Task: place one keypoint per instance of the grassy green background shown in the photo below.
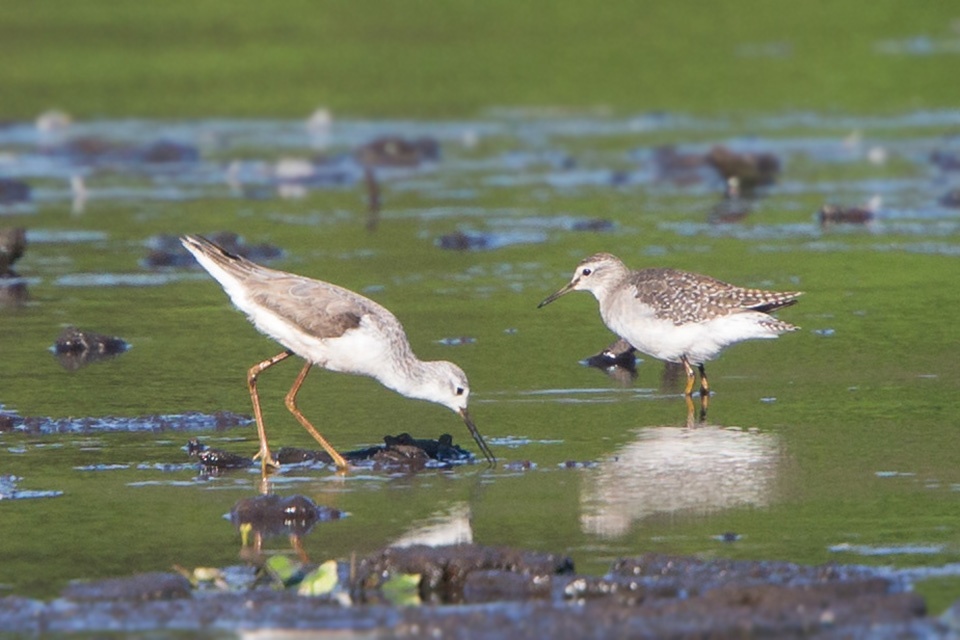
(102, 58)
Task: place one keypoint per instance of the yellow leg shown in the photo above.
(298, 547)
(292, 406)
(691, 376)
(266, 460)
(704, 393)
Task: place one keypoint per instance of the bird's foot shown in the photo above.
(268, 463)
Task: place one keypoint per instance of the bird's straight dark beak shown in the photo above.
(476, 436)
(565, 290)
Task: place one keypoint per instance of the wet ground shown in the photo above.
(476, 591)
(830, 445)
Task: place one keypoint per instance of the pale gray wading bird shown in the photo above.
(333, 328)
(678, 316)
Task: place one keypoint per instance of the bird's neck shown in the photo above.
(404, 375)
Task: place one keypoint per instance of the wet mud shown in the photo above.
(476, 591)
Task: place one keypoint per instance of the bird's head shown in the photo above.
(593, 274)
(446, 383)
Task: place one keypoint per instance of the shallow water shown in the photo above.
(836, 443)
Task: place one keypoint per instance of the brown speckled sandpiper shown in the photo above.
(675, 315)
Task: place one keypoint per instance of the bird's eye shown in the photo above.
(459, 391)
(587, 271)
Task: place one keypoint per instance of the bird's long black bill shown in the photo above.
(476, 436)
(554, 296)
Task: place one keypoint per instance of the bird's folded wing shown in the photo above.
(319, 308)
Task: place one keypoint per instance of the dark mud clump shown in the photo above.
(477, 591)
(831, 214)
(461, 241)
(76, 348)
(402, 452)
(213, 458)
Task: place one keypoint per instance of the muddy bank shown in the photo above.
(473, 591)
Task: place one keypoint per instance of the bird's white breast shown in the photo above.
(360, 350)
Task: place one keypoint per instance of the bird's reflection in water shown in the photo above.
(449, 527)
(619, 362)
(669, 470)
(270, 515)
(13, 291)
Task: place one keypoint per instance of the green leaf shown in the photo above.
(320, 581)
(284, 570)
(245, 530)
(403, 589)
